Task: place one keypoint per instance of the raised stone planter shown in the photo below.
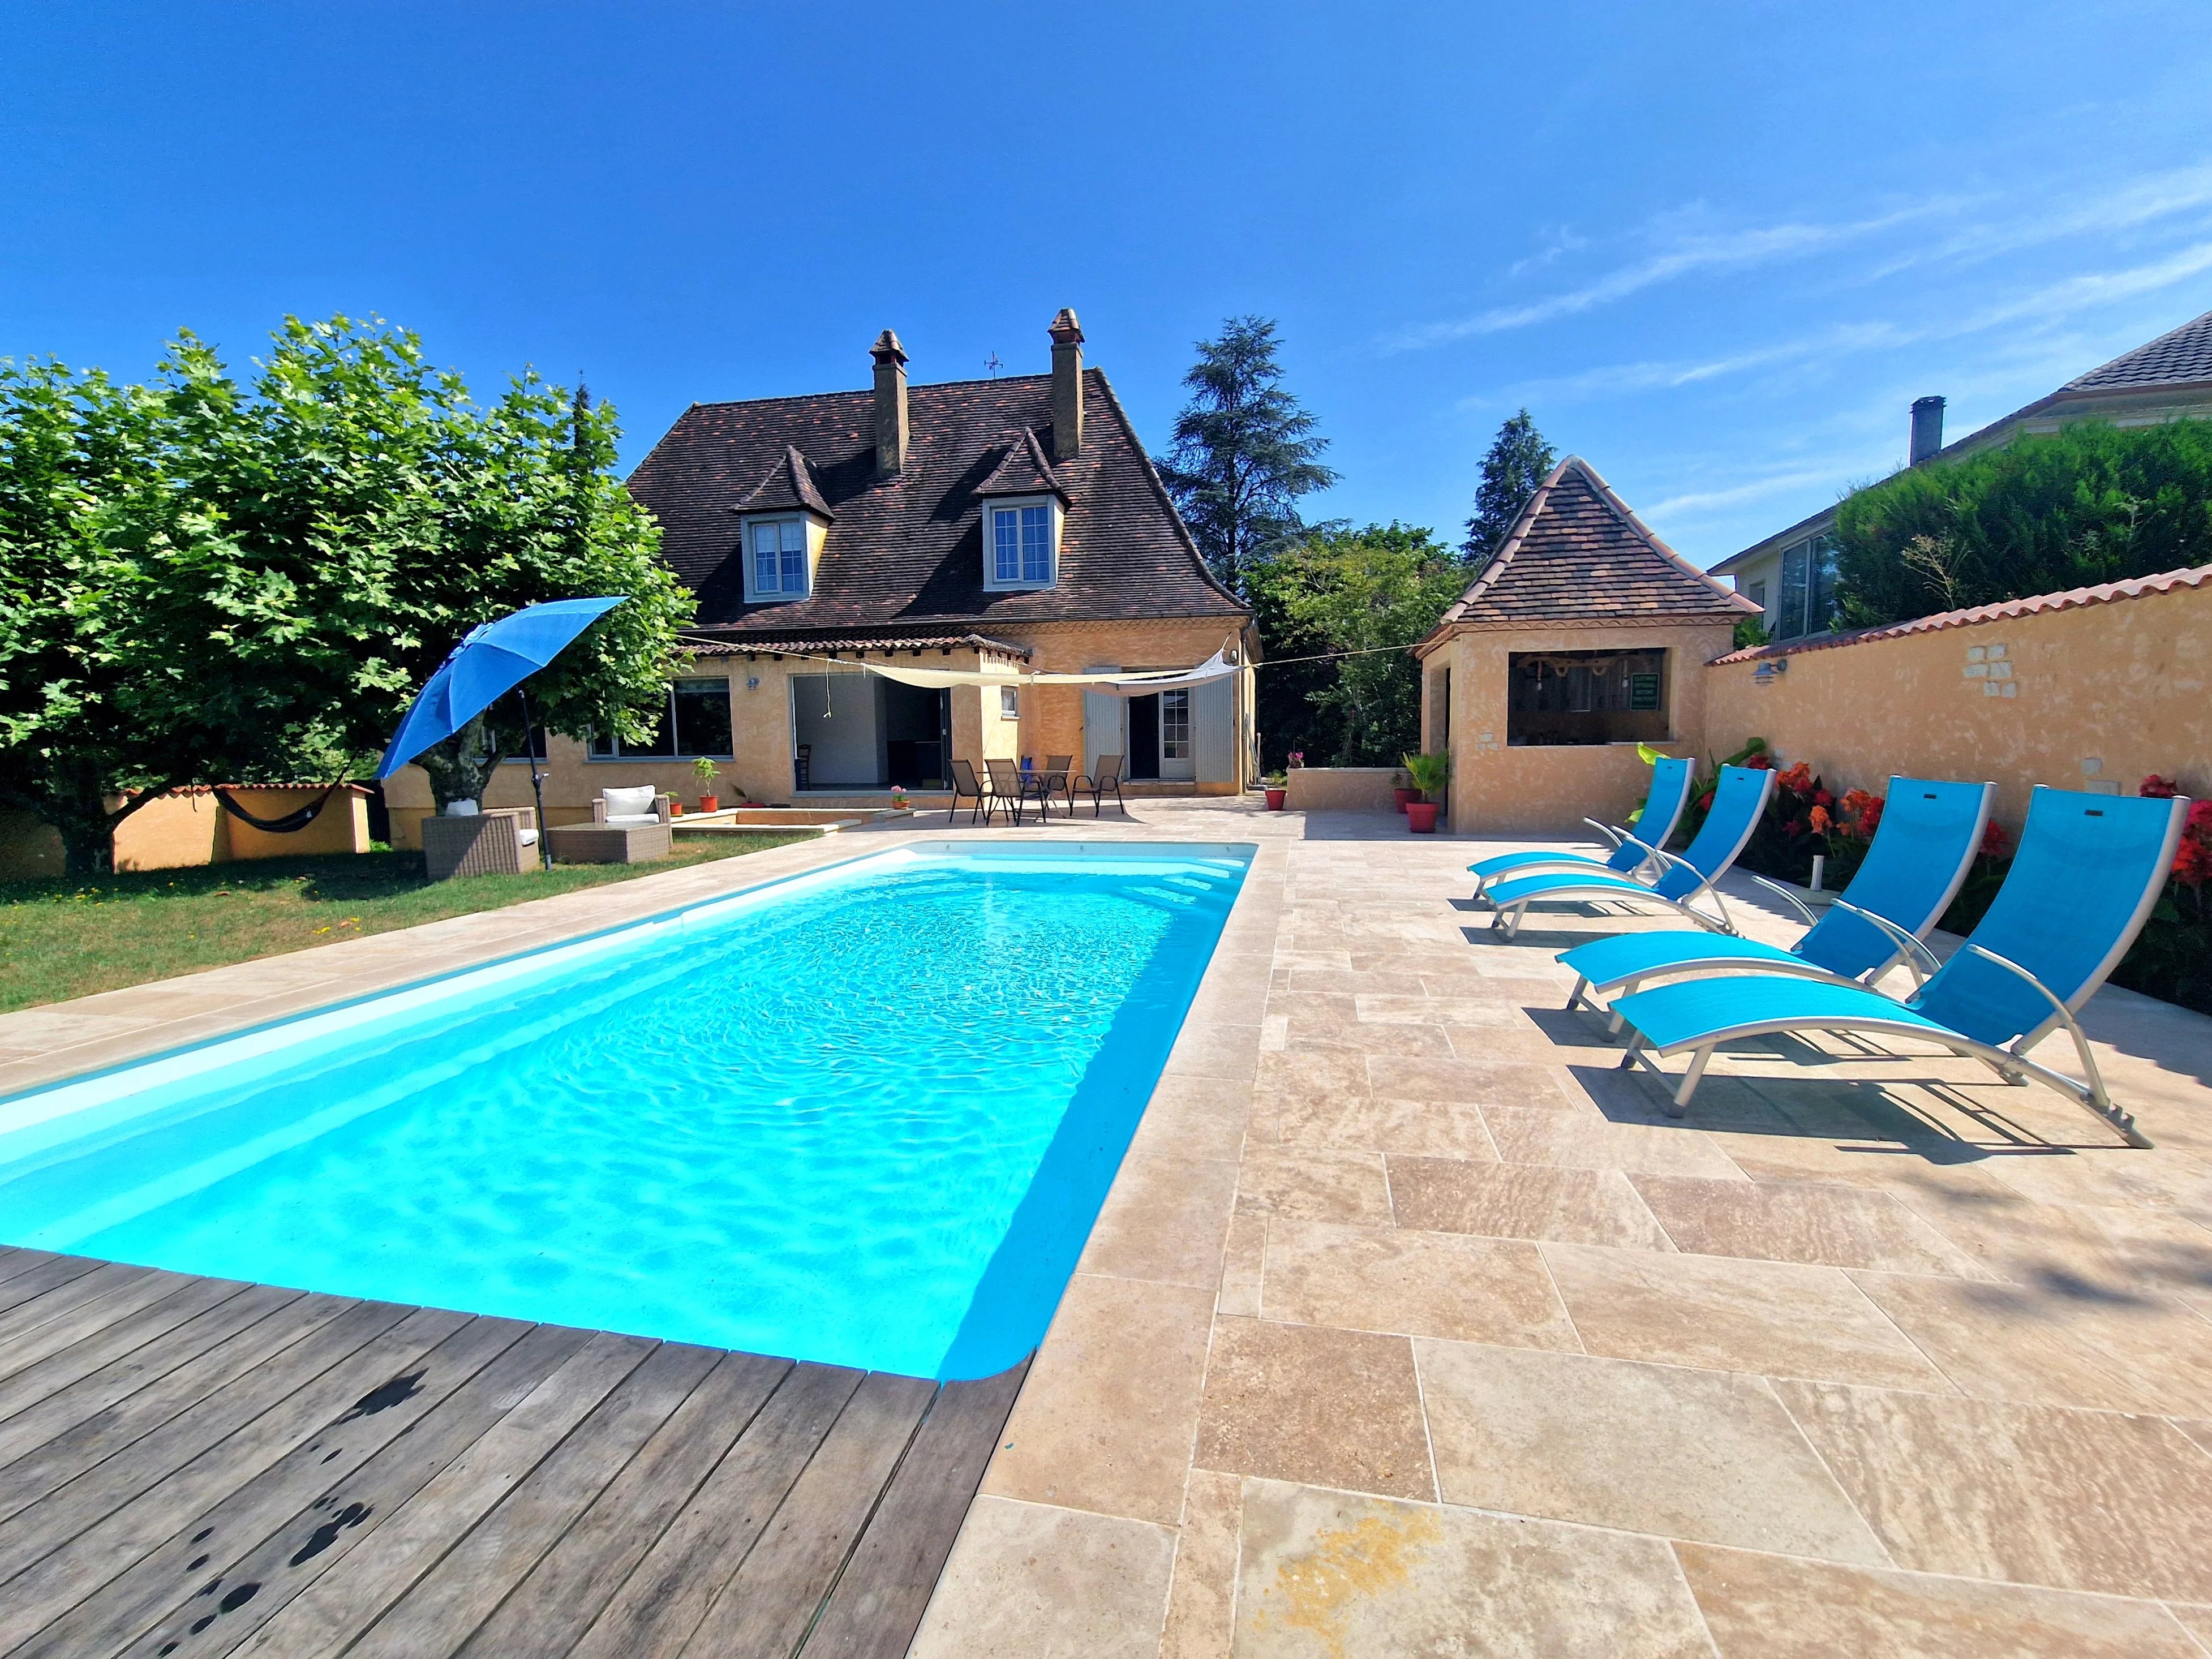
(1341, 788)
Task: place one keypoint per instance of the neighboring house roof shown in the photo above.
(748, 644)
(1024, 471)
(2176, 365)
(2135, 588)
(908, 550)
(1577, 554)
(788, 487)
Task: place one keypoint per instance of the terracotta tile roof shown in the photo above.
(739, 642)
(1024, 471)
(789, 484)
(908, 550)
(2135, 588)
(2176, 358)
(1577, 554)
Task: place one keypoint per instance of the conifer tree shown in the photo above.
(1518, 463)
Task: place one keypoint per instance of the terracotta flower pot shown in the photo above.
(674, 809)
(1421, 817)
(1275, 799)
(1405, 798)
(710, 803)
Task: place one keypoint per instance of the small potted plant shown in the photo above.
(706, 771)
(898, 798)
(1430, 773)
(1276, 787)
(1403, 790)
(1298, 758)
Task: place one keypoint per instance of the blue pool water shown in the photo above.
(865, 1117)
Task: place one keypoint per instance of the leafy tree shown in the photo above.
(2090, 503)
(1369, 591)
(220, 584)
(1244, 451)
(1517, 464)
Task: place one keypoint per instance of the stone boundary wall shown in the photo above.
(189, 826)
(2092, 695)
(1341, 789)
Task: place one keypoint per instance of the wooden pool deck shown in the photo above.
(193, 1466)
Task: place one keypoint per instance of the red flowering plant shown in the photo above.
(1804, 820)
(2172, 958)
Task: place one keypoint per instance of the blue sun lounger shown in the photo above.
(2090, 868)
(1929, 834)
(1738, 800)
(1662, 811)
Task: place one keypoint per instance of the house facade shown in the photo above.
(1791, 574)
(994, 528)
(1584, 637)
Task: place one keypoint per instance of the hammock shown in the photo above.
(291, 824)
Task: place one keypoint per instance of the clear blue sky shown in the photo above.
(1717, 249)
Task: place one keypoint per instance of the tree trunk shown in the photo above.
(461, 767)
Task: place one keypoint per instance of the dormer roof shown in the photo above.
(789, 486)
(1022, 471)
(1578, 556)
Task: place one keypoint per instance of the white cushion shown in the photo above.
(529, 837)
(460, 809)
(633, 818)
(629, 803)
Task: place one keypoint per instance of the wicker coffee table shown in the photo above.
(610, 843)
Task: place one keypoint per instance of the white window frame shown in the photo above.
(1010, 702)
(747, 550)
(1014, 506)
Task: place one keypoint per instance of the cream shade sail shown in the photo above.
(1115, 684)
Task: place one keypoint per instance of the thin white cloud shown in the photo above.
(2096, 287)
(1759, 489)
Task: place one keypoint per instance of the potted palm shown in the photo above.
(1403, 790)
(1430, 773)
(708, 800)
(1276, 787)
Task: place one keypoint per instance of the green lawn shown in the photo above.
(61, 938)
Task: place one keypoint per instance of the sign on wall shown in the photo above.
(1643, 691)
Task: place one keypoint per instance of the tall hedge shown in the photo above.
(2090, 503)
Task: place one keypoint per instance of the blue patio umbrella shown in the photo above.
(493, 659)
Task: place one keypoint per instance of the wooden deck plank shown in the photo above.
(61, 1356)
(87, 1445)
(193, 1462)
(655, 1612)
(765, 1612)
(383, 1567)
(438, 1615)
(30, 1418)
(879, 1601)
(192, 1467)
(577, 1577)
(42, 1276)
(194, 1564)
(27, 1315)
(287, 1563)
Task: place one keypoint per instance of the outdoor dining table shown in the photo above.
(1039, 785)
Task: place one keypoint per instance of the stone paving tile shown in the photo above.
(1202, 1599)
(1199, 1117)
(1722, 1313)
(1474, 1082)
(1522, 1200)
(1243, 1259)
(2178, 1181)
(2071, 1347)
(1105, 1417)
(1587, 1141)
(1770, 1606)
(2075, 1499)
(1027, 1581)
(1331, 1575)
(1800, 1221)
(1215, 1051)
(1166, 1219)
(1612, 1442)
(1393, 1279)
(1318, 1406)
(1313, 1183)
(1441, 1128)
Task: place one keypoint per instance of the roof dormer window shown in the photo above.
(775, 559)
(1023, 543)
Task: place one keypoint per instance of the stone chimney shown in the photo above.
(1926, 428)
(1067, 386)
(890, 404)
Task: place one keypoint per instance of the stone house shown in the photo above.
(1583, 637)
(996, 527)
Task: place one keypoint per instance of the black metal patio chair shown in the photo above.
(1106, 778)
(966, 786)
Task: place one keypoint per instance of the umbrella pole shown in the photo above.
(536, 781)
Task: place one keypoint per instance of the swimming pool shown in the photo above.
(863, 1117)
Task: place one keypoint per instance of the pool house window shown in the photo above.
(1566, 697)
(696, 721)
(1021, 544)
(1808, 590)
(776, 563)
(1174, 725)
